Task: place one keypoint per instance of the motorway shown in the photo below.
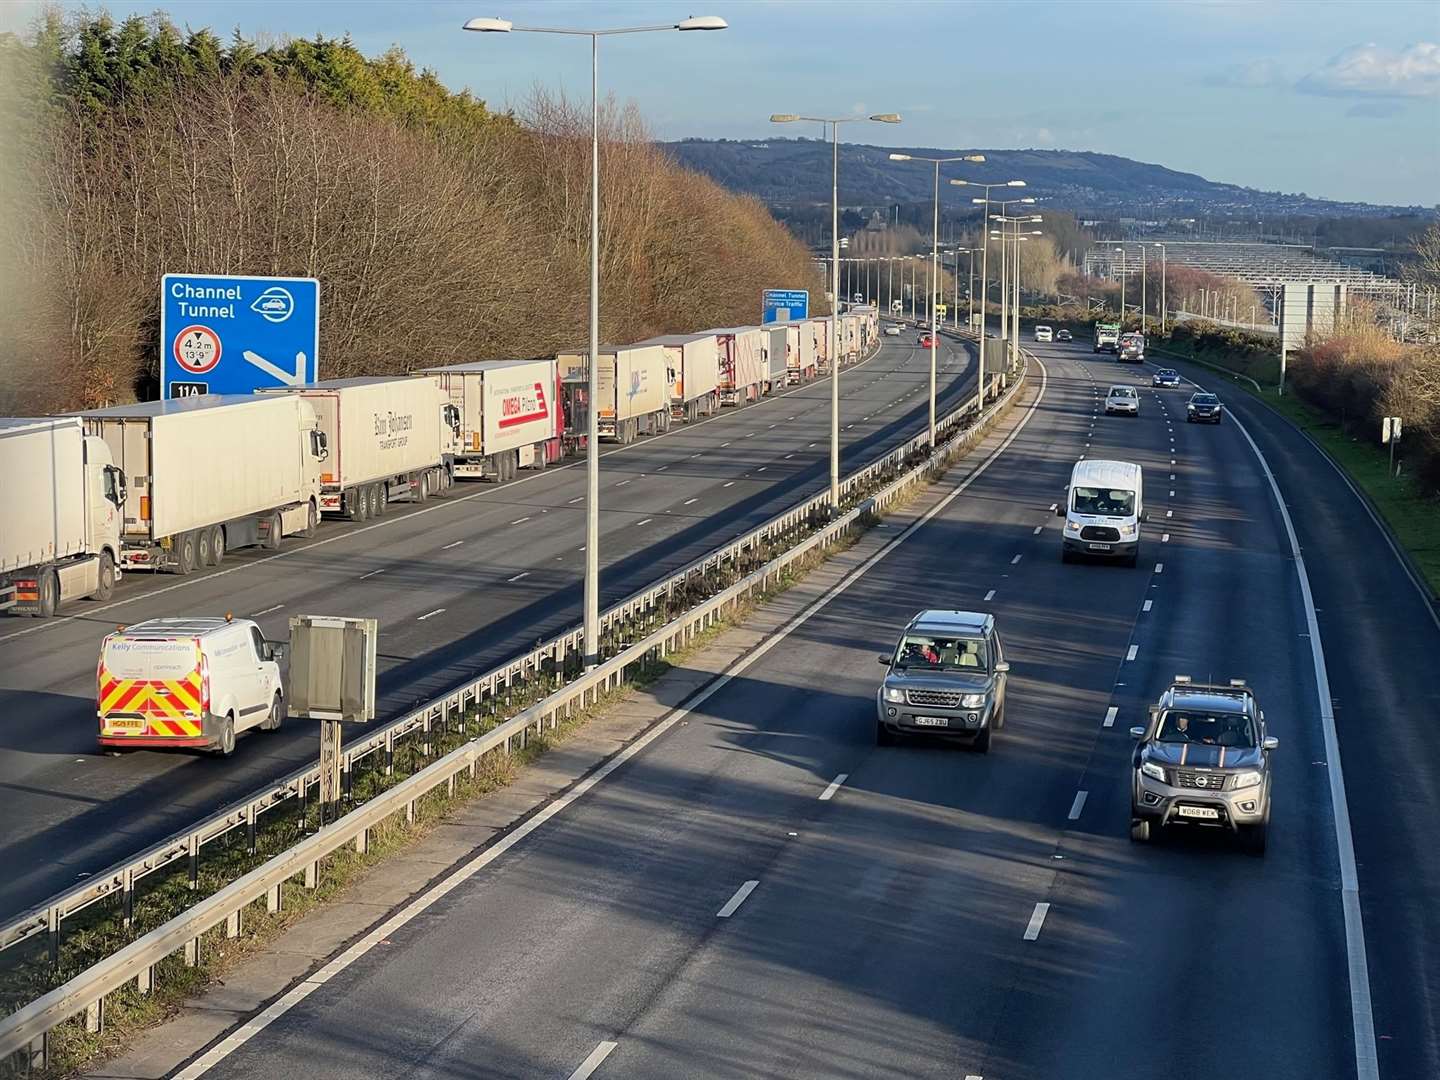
(764, 892)
(458, 585)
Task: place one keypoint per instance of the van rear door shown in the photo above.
(150, 691)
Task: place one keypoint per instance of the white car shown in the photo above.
(1043, 333)
(191, 683)
(892, 330)
(1123, 400)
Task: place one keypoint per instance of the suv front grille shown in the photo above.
(943, 699)
(1202, 781)
(1099, 532)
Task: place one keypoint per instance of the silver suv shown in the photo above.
(947, 677)
(1203, 760)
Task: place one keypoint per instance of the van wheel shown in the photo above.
(217, 545)
(312, 520)
(277, 715)
(48, 586)
(225, 743)
(185, 553)
(106, 588)
(272, 534)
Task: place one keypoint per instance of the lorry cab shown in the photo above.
(193, 683)
(1104, 508)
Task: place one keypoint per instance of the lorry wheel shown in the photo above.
(186, 553)
(48, 588)
(225, 743)
(272, 534)
(106, 588)
(205, 547)
(421, 488)
(277, 715)
(379, 500)
(359, 505)
(312, 520)
(217, 545)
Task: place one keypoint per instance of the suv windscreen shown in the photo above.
(925, 651)
(1223, 729)
(1108, 502)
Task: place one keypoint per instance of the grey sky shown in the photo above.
(1338, 99)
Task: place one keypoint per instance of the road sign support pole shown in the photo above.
(329, 771)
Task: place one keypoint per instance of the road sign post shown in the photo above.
(1390, 433)
(783, 305)
(229, 334)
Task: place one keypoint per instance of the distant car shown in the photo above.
(947, 676)
(892, 330)
(1202, 408)
(1122, 399)
(1203, 759)
(925, 341)
(1063, 335)
(1044, 333)
(1166, 377)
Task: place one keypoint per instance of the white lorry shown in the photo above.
(60, 530)
(775, 346)
(211, 473)
(389, 437)
(692, 370)
(742, 363)
(633, 394)
(510, 415)
(808, 352)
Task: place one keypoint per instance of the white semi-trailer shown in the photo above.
(633, 394)
(211, 473)
(802, 356)
(775, 352)
(510, 415)
(390, 438)
(692, 370)
(60, 529)
(742, 363)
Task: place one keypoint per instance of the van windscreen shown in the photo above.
(1109, 502)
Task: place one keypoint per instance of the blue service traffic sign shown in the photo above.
(782, 305)
(228, 334)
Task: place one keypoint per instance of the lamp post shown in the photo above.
(935, 265)
(1012, 286)
(1163, 312)
(834, 122)
(1121, 253)
(592, 453)
(984, 261)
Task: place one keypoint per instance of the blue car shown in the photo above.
(1166, 377)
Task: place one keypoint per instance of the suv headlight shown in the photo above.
(1190, 407)
(894, 693)
(972, 701)
(1251, 778)
(1155, 772)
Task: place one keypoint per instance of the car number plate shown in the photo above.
(1205, 813)
(932, 721)
(1099, 547)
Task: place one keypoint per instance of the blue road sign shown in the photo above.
(782, 305)
(226, 334)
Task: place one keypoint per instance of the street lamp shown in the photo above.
(1121, 253)
(984, 264)
(592, 438)
(1012, 287)
(834, 122)
(1163, 312)
(934, 266)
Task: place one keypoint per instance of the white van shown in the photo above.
(1103, 510)
(1043, 333)
(187, 683)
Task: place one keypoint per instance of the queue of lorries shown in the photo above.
(173, 485)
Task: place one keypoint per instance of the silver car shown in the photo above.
(946, 677)
(1122, 399)
(1203, 760)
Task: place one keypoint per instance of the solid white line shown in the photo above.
(456, 544)
(593, 1062)
(1110, 715)
(1016, 559)
(418, 906)
(735, 901)
(1362, 1016)
(517, 577)
(372, 573)
(1078, 805)
(1148, 603)
(1134, 649)
(267, 611)
(430, 615)
(1037, 920)
(645, 522)
(834, 786)
(518, 521)
(687, 502)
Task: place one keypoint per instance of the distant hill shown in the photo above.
(792, 173)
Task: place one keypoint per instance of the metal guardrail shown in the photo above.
(26, 1032)
(120, 880)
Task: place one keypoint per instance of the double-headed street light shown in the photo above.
(592, 436)
(834, 122)
(935, 265)
(984, 266)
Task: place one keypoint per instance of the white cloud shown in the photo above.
(1255, 73)
(1374, 71)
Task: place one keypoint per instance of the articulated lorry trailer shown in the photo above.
(808, 350)
(389, 437)
(60, 531)
(510, 415)
(633, 398)
(211, 473)
(775, 351)
(742, 363)
(692, 370)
